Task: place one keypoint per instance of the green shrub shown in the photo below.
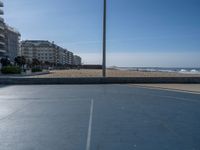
(11, 70)
(36, 70)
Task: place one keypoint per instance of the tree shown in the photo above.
(47, 63)
(36, 62)
(5, 61)
(20, 61)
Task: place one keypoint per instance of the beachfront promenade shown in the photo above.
(94, 76)
(97, 117)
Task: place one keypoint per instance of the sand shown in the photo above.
(110, 73)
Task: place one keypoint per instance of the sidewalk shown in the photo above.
(24, 75)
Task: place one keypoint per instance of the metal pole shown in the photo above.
(104, 38)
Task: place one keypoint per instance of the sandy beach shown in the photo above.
(110, 73)
(119, 73)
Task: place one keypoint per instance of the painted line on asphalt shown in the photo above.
(167, 89)
(177, 98)
(90, 126)
(165, 96)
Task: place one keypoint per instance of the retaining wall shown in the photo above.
(109, 80)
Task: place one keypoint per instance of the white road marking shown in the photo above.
(165, 96)
(167, 89)
(90, 125)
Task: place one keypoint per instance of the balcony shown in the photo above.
(1, 19)
(1, 4)
(1, 28)
(2, 43)
(1, 12)
(2, 51)
(2, 35)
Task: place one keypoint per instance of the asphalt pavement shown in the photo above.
(98, 117)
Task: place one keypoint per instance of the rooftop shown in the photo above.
(12, 29)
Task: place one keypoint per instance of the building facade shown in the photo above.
(2, 32)
(12, 37)
(70, 56)
(77, 60)
(61, 56)
(46, 51)
(9, 39)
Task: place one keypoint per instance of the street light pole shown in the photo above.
(104, 38)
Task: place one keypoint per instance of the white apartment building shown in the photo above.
(12, 38)
(70, 56)
(77, 60)
(9, 38)
(62, 56)
(2, 32)
(46, 51)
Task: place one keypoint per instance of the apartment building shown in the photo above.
(2, 32)
(12, 37)
(46, 51)
(62, 59)
(70, 56)
(77, 60)
(9, 38)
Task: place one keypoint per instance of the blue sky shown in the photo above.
(140, 32)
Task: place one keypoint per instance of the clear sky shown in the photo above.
(161, 33)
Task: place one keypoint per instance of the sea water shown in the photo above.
(160, 69)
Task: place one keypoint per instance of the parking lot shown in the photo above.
(98, 117)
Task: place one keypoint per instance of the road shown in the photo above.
(98, 117)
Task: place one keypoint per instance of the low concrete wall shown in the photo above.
(109, 80)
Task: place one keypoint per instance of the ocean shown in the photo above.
(160, 69)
